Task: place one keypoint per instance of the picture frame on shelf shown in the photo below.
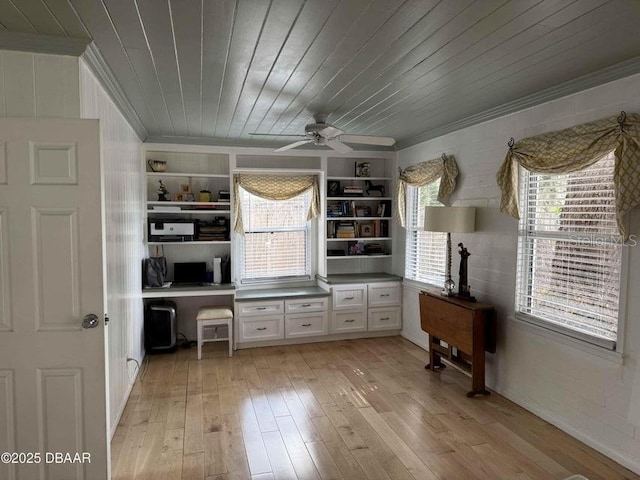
(178, 197)
(185, 188)
(363, 169)
(366, 229)
(333, 188)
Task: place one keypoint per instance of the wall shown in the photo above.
(593, 398)
(124, 215)
(38, 85)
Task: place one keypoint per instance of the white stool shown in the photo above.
(214, 316)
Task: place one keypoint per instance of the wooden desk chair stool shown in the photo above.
(209, 319)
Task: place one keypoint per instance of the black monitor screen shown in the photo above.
(190, 272)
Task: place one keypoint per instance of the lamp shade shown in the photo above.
(450, 219)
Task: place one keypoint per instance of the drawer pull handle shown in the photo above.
(261, 308)
(305, 305)
(306, 324)
(261, 328)
(384, 294)
(385, 318)
(348, 298)
(351, 320)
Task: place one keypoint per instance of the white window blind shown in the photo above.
(570, 253)
(425, 254)
(276, 244)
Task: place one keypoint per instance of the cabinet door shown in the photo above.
(261, 328)
(384, 319)
(384, 294)
(303, 305)
(343, 322)
(349, 297)
(252, 309)
(305, 325)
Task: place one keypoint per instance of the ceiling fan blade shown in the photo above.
(330, 132)
(368, 140)
(292, 145)
(277, 135)
(339, 146)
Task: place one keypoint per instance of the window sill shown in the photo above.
(525, 322)
(418, 286)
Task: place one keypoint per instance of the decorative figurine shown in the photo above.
(463, 287)
(370, 187)
(162, 192)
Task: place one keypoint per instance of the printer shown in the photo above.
(172, 231)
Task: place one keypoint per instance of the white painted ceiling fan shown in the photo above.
(321, 133)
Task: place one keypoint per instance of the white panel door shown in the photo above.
(52, 370)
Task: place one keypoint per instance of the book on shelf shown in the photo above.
(216, 230)
(384, 208)
(352, 190)
(381, 228)
(342, 208)
(346, 230)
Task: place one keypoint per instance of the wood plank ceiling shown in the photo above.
(216, 70)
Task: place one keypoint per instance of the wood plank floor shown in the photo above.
(358, 409)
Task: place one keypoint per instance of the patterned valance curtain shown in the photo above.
(275, 187)
(421, 174)
(574, 149)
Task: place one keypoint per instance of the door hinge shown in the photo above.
(106, 319)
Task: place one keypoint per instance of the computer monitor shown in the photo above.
(189, 273)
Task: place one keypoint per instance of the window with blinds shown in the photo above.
(425, 252)
(277, 240)
(570, 253)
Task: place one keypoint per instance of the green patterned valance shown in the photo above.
(421, 174)
(574, 149)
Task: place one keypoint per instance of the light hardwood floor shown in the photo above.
(360, 409)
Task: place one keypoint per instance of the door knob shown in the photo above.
(90, 321)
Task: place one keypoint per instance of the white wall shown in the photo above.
(38, 85)
(124, 204)
(587, 395)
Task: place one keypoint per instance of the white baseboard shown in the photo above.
(626, 462)
(421, 342)
(123, 404)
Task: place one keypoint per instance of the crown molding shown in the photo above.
(31, 42)
(591, 80)
(97, 64)
(242, 142)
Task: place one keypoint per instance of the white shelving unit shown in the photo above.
(191, 171)
(369, 249)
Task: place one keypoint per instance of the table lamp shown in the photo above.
(452, 220)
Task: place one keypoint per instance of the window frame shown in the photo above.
(523, 279)
(310, 229)
(413, 209)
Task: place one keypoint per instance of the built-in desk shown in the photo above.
(191, 291)
(279, 293)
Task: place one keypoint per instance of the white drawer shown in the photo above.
(384, 294)
(384, 319)
(263, 328)
(305, 325)
(252, 309)
(349, 297)
(342, 322)
(301, 305)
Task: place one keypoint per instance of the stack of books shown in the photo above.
(352, 190)
(346, 230)
(214, 231)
